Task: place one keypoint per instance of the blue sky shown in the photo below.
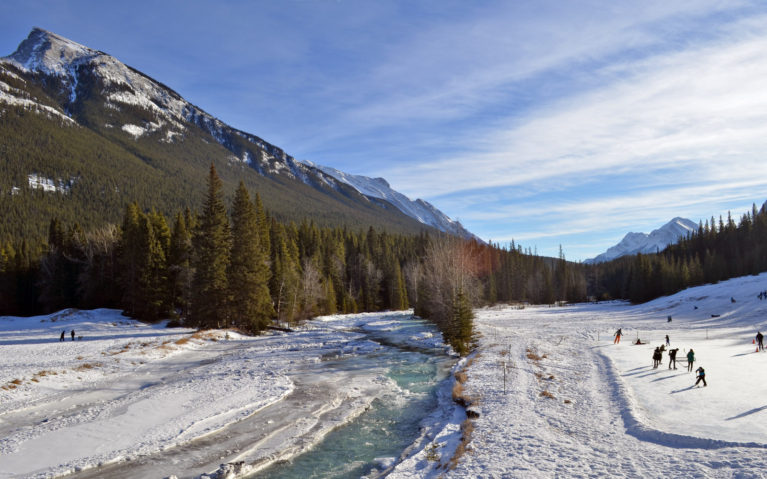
(547, 122)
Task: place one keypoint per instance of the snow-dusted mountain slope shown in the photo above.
(644, 243)
(91, 88)
(419, 209)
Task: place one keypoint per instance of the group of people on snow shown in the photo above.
(64, 332)
(657, 356)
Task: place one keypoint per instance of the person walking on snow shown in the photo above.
(62, 335)
(672, 357)
(657, 357)
(618, 335)
(668, 341)
(701, 376)
(690, 360)
(759, 341)
(73, 335)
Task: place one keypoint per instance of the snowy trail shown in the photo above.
(584, 429)
(578, 406)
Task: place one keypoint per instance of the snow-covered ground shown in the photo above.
(574, 403)
(124, 392)
(577, 405)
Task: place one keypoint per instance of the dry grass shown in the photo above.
(182, 341)
(17, 382)
(547, 394)
(87, 366)
(467, 428)
(461, 377)
(533, 356)
(567, 401)
(458, 392)
(471, 360)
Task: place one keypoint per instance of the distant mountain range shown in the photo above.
(644, 243)
(92, 134)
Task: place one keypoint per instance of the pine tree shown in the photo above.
(179, 266)
(128, 251)
(251, 305)
(286, 273)
(151, 304)
(211, 258)
(461, 324)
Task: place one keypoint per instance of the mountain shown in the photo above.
(83, 134)
(656, 241)
(419, 209)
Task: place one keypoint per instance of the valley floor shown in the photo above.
(577, 405)
(573, 404)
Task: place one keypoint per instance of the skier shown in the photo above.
(672, 357)
(701, 376)
(668, 341)
(73, 335)
(657, 357)
(690, 360)
(759, 341)
(618, 335)
(62, 335)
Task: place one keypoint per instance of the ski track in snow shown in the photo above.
(612, 414)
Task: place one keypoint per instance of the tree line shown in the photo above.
(717, 251)
(241, 267)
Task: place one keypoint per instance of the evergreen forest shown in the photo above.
(233, 264)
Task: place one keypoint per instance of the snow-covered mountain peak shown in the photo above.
(49, 53)
(380, 188)
(644, 243)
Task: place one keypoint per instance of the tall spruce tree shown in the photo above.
(211, 258)
(179, 266)
(248, 274)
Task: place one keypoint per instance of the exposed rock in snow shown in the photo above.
(49, 185)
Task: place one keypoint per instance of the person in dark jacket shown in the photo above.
(618, 335)
(760, 341)
(672, 357)
(690, 360)
(73, 335)
(62, 335)
(657, 357)
(701, 376)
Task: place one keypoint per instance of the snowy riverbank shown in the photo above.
(576, 405)
(143, 395)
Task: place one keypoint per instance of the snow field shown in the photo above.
(125, 389)
(576, 405)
